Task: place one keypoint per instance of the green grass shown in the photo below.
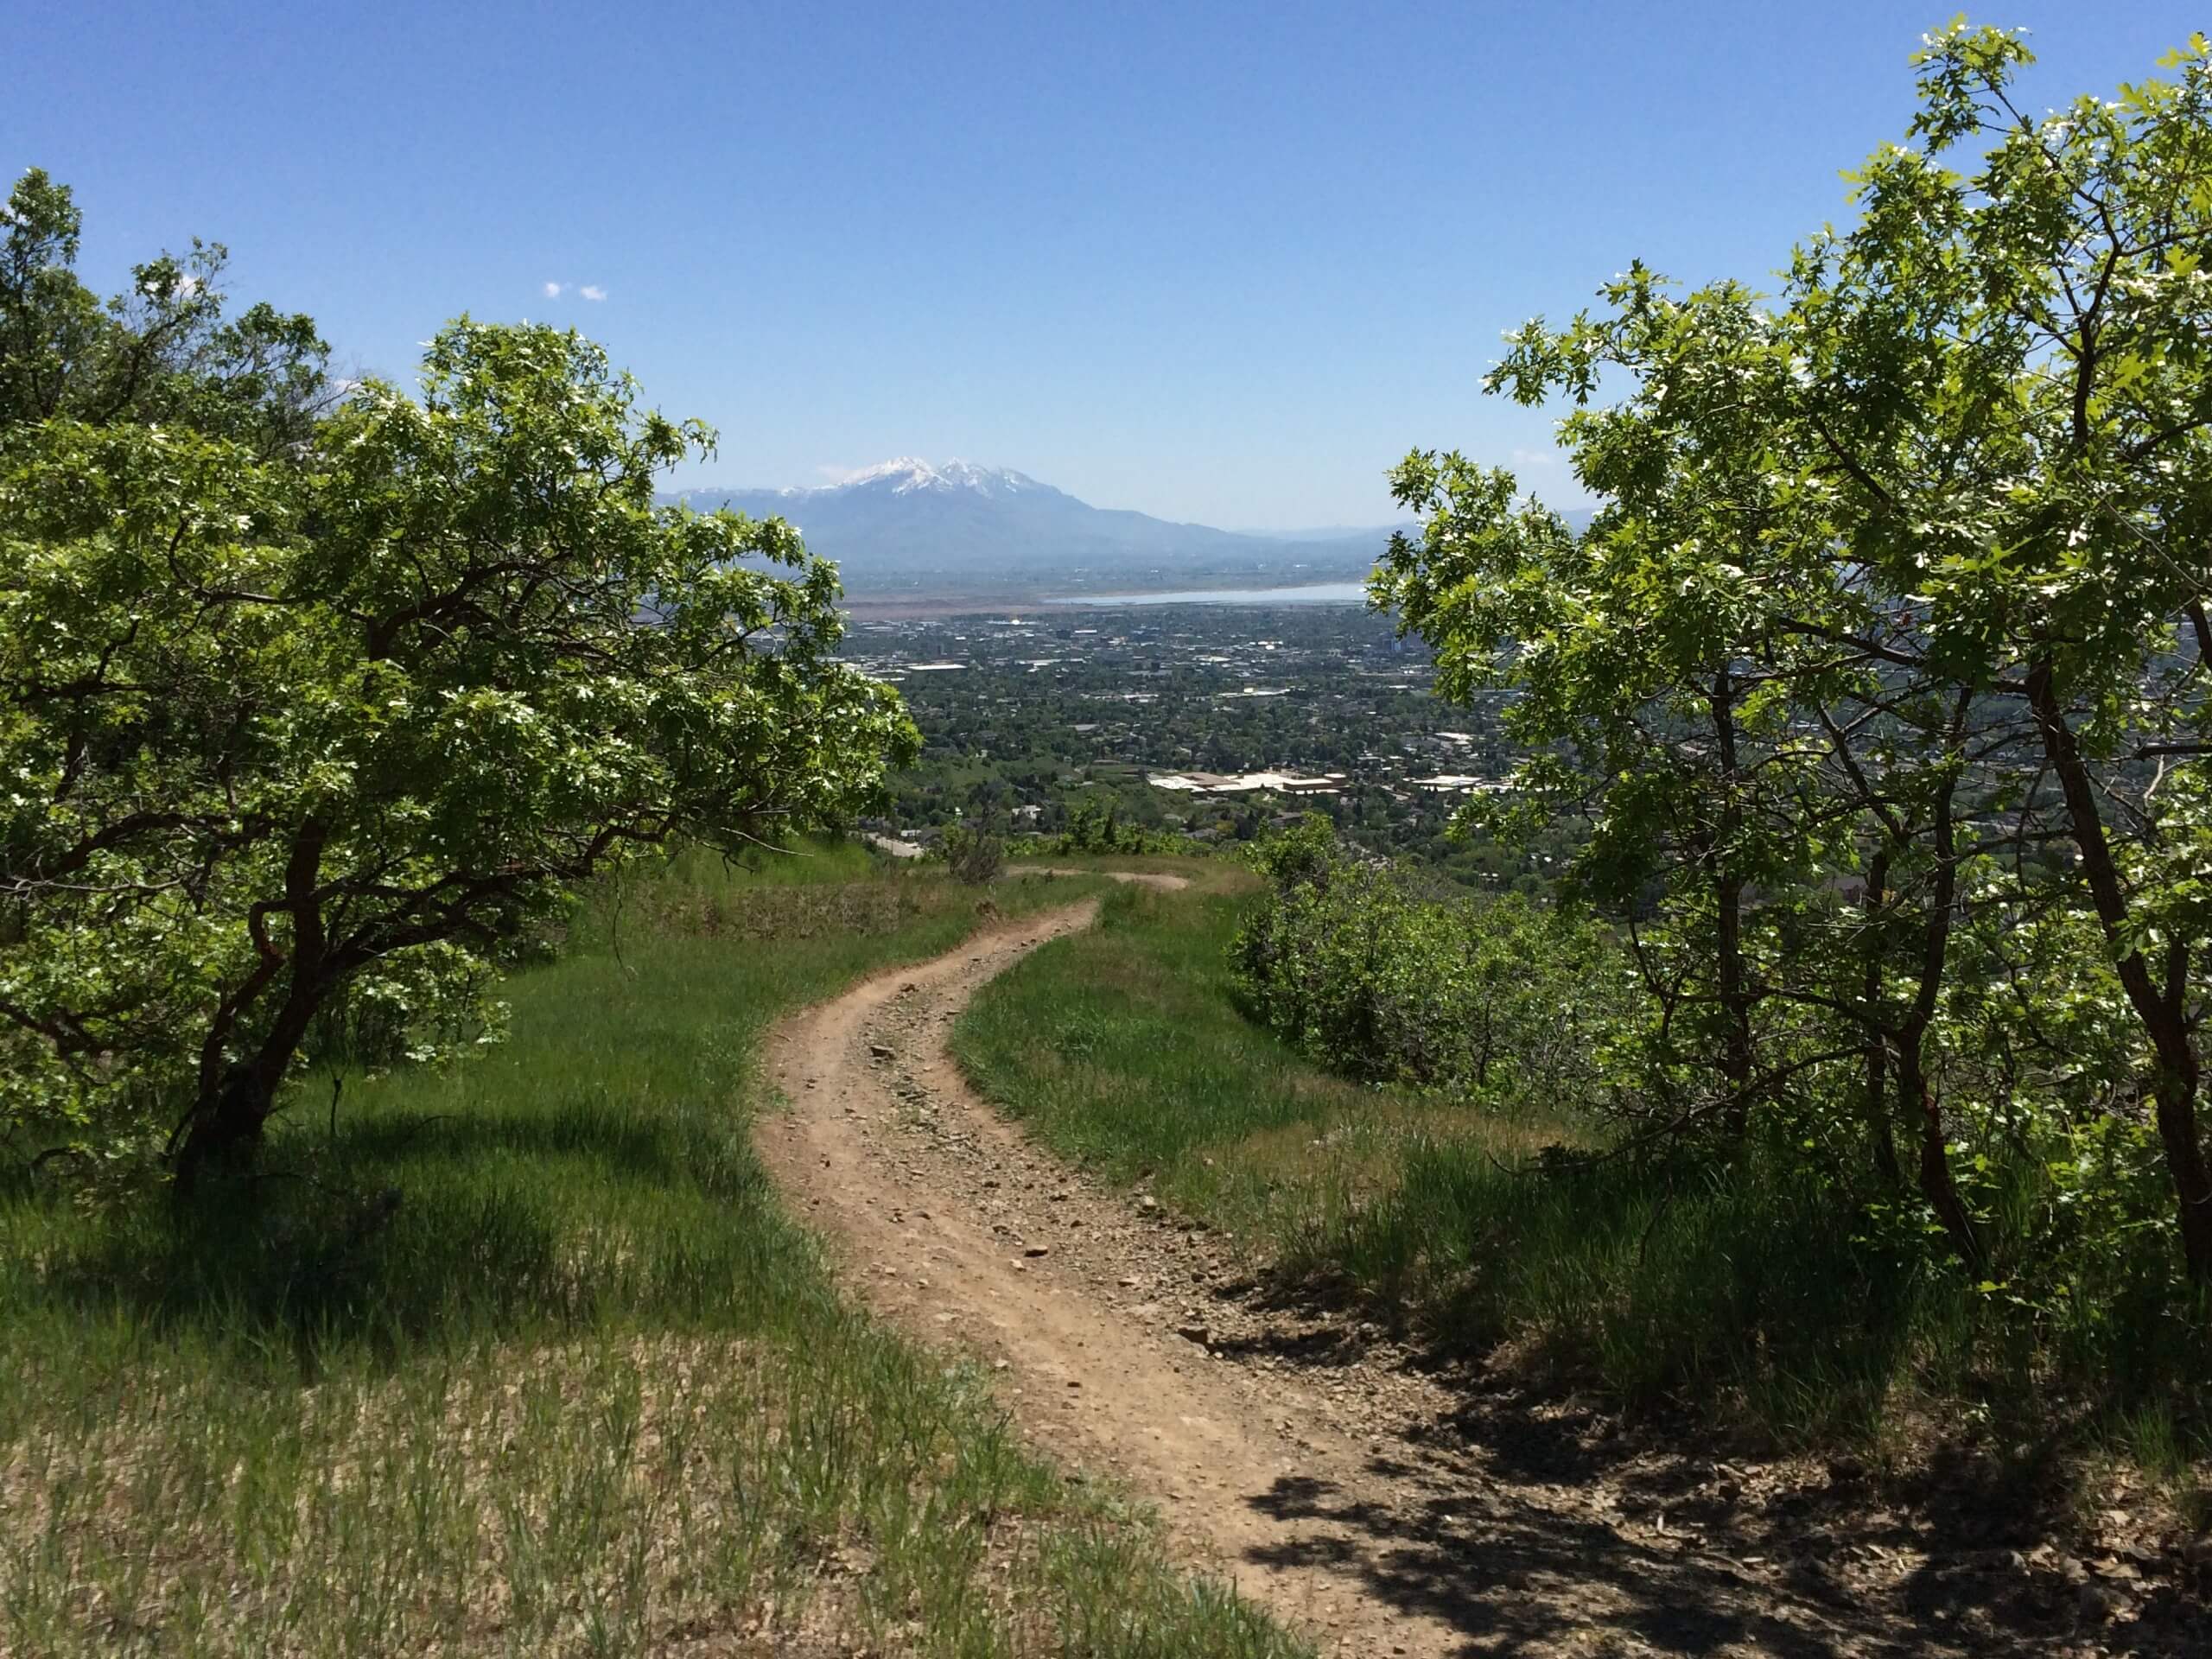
(584, 1390)
(1123, 1049)
(1206, 875)
(1732, 1294)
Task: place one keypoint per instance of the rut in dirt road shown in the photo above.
(1357, 1496)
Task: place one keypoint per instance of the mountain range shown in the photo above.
(908, 529)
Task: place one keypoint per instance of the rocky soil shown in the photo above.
(1382, 1500)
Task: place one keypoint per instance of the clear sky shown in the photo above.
(1220, 263)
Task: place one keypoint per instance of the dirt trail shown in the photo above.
(955, 1226)
(1307, 1460)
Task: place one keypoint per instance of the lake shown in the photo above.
(1318, 593)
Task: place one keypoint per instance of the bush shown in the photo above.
(1363, 971)
(972, 855)
(1095, 829)
(1675, 1261)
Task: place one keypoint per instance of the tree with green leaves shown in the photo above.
(1900, 583)
(162, 352)
(2011, 373)
(288, 726)
(1391, 976)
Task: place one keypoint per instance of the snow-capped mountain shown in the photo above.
(906, 475)
(908, 526)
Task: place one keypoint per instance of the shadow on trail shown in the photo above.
(1515, 1575)
(1531, 1521)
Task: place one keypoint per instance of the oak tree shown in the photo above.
(288, 721)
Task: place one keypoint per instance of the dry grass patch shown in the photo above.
(1295, 1185)
(640, 1497)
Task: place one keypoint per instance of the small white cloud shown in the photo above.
(552, 290)
(1535, 458)
(838, 474)
(592, 291)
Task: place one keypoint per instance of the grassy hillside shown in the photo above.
(520, 1356)
(1125, 1048)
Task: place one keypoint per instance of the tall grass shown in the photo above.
(1745, 1292)
(1677, 1285)
(1124, 1048)
(520, 1356)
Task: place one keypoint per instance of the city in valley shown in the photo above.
(1209, 722)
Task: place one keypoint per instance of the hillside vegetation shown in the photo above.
(1884, 682)
(1879, 693)
(520, 1356)
(1509, 1219)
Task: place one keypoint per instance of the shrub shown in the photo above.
(973, 855)
(1361, 970)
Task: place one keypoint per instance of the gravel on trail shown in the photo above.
(1376, 1502)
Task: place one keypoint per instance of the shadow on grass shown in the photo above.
(637, 1146)
(1644, 1492)
(410, 1228)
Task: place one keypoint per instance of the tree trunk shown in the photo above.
(1913, 1091)
(1935, 1183)
(1728, 903)
(1736, 1035)
(225, 1129)
(1881, 1139)
(2161, 1011)
(235, 1101)
(2176, 1096)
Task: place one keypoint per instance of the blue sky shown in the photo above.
(1221, 263)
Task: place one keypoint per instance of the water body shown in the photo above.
(1318, 593)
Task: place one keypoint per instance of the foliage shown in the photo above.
(1881, 675)
(974, 856)
(1093, 827)
(159, 354)
(1748, 1290)
(1363, 971)
(327, 728)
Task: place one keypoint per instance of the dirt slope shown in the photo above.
(1305, 1458)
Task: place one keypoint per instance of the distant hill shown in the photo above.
(908, 529)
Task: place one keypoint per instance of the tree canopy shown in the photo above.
(1882, 673)
(309, 700)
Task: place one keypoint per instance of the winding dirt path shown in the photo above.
(1381, 1506)
(949, 1222)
